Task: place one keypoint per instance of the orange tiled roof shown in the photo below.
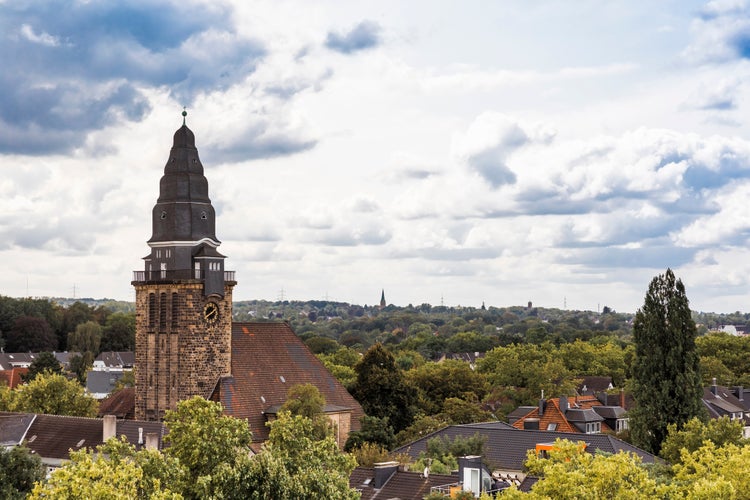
(552, 414)
(268, 359)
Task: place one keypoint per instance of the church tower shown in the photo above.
(184, 296)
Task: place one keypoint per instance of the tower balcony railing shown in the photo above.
(177, 274)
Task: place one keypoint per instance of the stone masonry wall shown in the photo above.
(178, 354)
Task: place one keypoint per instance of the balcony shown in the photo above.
(176, 275)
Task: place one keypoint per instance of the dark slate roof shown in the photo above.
(591, 384)
(183, 211)
(582, 415)
(99, 382)
(723, 402)
(13, 427)
(402, 485)
(120, 403)
(268, 359)
(53, 436)
(506, 448)
(10, 359)
(610, 411)
(116, 359)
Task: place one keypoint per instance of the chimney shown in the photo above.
(383, 472)
(152, 441)
(740, 392)
(109, 427)
(714, 388)
(542, 402)
(622, 398)
(563, 404)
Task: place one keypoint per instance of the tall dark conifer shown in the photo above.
(666, 373)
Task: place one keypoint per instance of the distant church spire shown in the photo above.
(382, 298)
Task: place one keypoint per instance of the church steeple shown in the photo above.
(183, 330)
(183, 241)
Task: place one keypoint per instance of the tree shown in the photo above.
(572, 473)
(307, 401)
(30, 334)
(437, 382)
(119, 332)
(53, 394)
(204, 441)
(382, 390)
(114, 471)
(666, 370)
(694, 434)
(373, 430)
(292, 464)
(44, 362)
(19, 470)
(713, 471)
(529, 369)
(87, 337)
(80, 365)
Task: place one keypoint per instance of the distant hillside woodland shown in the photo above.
(416, 369)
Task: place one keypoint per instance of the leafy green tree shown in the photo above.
(713, 471)
(437, 382)
(422, 426)
(44, 362)
(529, 369)
(569, 472)
(382, 389)
(80, 364)
(307, 401)
(114, 471)
(30, 334)
(724, 352)
(460, 411)
(19, 470)
(694, 434)
(119, 332)
(373, 430)
(204, 440)
(87, 337)
(667, 381)
(292, 464)
(53, 394)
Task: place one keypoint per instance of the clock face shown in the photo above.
(211, 312)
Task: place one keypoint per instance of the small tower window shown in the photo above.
(204, 216)
(163, 214)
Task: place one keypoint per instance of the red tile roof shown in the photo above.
(120, 403)
(12, 377)
(268, 359)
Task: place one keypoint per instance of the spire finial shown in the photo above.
(184, 114)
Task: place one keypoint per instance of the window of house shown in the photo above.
(552, 426)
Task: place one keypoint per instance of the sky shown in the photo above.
(462, 153)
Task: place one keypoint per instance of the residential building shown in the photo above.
(579, 414)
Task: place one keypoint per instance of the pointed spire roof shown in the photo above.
(183, 211)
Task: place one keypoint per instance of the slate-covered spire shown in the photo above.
(183, 213)
(183, 240)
